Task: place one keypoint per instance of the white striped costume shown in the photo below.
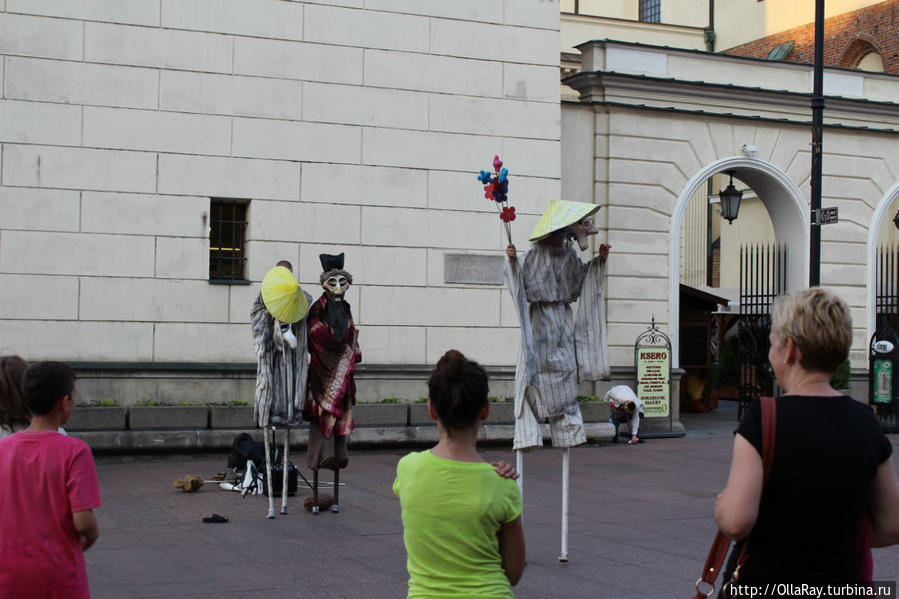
(281, 371)
(556, 350)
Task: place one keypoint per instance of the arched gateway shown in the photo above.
(786, 205)
(657, 123)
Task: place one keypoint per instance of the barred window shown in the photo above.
(227, 233)
(651, 11)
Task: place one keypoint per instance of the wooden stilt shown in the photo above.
(566, 458)
(268, 470)
(519, 466)
(315, 491)
(336, 507)
(284, 479)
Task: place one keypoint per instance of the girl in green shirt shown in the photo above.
(461, 515)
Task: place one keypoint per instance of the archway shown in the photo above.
(786, 205)
(880, 213)
(857, 52)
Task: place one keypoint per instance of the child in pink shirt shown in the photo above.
(48, 489)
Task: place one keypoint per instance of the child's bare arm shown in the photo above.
(511, 549)
(86, 527)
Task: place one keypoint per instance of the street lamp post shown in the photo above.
(814, 271)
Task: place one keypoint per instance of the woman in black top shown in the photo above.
(831, 460)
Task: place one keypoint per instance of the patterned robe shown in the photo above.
(280, 369)
(557, 350)
(332, 386)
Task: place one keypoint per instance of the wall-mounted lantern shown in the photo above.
(730, 198)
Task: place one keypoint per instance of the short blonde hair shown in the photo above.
(819, 323)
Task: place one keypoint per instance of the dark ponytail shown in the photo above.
(458, 390)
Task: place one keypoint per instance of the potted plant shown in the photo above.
(390, 411)
(593, 409)
(237, 414)
(97, 415)
(154, 415)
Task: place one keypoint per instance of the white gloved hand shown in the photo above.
(289, 337)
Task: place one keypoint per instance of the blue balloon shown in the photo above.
(484, 177)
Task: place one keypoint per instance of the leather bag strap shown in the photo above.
(721, 544)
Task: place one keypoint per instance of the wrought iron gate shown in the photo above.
(886, 300)
(881, 372)
(763, 277)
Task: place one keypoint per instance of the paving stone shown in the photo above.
(640, 523)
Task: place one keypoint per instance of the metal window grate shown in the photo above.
(651, 11)
(227, 232)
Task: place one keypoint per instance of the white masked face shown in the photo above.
(581, 229)
(336, 286)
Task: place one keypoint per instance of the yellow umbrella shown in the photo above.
(282, 295)
(559, 214)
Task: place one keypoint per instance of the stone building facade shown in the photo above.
(354, 126)
(662, 121)
(848, 38)
(339, 125)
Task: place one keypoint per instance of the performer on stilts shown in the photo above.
(557, 351)
(334, 352)
(279, 336)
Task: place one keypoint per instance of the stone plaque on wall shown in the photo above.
(473, 268)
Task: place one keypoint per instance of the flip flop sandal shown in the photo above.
(215, 519)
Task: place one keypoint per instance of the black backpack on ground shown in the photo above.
(245, 448)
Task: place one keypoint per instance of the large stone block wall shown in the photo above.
(348, 125)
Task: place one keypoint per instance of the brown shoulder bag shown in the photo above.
(721, 544)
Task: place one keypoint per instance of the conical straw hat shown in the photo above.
(559, 214)
(282, 295)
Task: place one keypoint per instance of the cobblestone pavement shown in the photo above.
(641, 523)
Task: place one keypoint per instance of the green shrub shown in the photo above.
(149, 403)
(840, 378)
(727, 370)
(585, 398)
(391, 400)
(188, 404)
(421, 400)
(238, 402)
(100, 403)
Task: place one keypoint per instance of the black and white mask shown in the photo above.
(336, 285)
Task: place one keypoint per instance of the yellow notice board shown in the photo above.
(653, 388)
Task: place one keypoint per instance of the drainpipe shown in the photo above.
(709, 36)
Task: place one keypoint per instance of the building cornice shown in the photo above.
(722, 56)
(655, 91)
